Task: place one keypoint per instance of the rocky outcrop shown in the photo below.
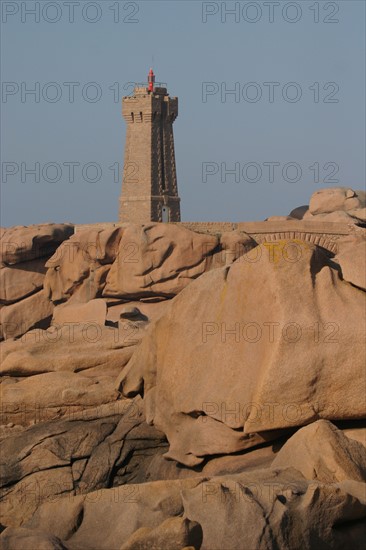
(23, 255)
(334, 204)
(333, 199)
(180, 390)
(68, 367)
(264, 508)
(87, 450)
(158, 260)
(352, 261)
(137, 262)
(81, 264)
(31, 312)
(128, 262)
(320, 451)
(21, 280)
(21, 243)
(263, 342)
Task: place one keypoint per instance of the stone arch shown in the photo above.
(325, 241)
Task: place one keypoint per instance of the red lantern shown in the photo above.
(151, 80)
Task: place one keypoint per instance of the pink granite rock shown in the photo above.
(261, 342)
(21, 280)
(23, 243)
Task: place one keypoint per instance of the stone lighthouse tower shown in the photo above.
(149, 184)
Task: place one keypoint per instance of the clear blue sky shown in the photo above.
(316, 133)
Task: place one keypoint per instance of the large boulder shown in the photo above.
(70, 366)
(137, 261)
(21, 280)
(158, 260)
(73, 346)
(335, 205)
(23, 255)
(261, 509)
(85, 451)
(280, 509)
(321, 451)
(52, 395)
(316, 500)
(23, 243)
(35, 311)
(121, 510)
(277, 507)
(268, 345)
(332, 199)
(80, 265)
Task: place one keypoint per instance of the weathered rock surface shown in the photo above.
(254, 346)
(27, 539)
(265, 508)
(174, 533)
(233, 245)
(340, 216)
(357, 433)
(144, 262)
(88, 450)
(72, 346)
(158, 260)
(334, 204)
(278, 219)
(259, 351)
(325, 201)
(24, 252)
(31, 312)
(94, 311)
(52, 395)
(352, 260)
(69, 366)
(21, 280)
(134, 261)
(21, 243)
(81, 264)
(281, 510)
(320, 451)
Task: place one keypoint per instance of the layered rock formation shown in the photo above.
(23, 256)
(283, 506)
(167, 387)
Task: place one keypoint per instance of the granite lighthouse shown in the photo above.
(149, 184)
